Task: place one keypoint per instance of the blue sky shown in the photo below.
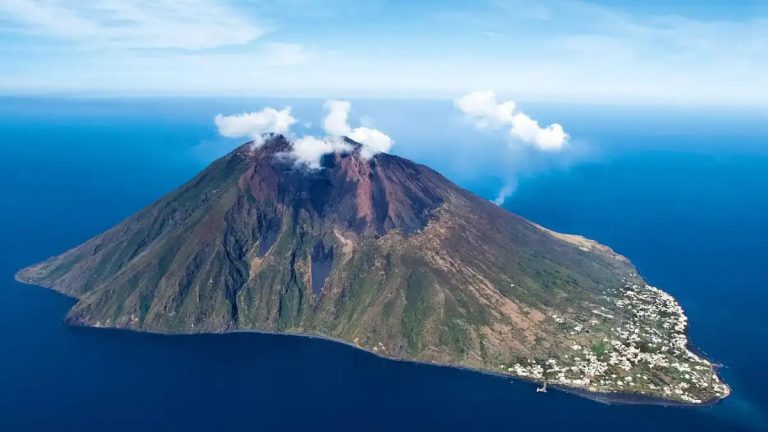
(629, 52)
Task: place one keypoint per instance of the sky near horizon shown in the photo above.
(677, 51)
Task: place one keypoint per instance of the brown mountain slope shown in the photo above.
(390, 256)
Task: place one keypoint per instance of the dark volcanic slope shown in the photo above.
(388, 255)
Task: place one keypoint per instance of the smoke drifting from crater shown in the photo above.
(482, 108)
(485, 112)
(505, 192)
(336, 123)
(307, 150)
(255, 124)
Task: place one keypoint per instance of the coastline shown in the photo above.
(609, 398)
(617, 398)
(606, 398)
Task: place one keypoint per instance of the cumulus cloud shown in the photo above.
(486, 112)
(309, 150)
(336, 124)
(254, 124)
(550, 138)
(336, 121)
(373, 140)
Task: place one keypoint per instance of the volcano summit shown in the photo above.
(392, 257)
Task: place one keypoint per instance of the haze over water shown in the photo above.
(680, 192)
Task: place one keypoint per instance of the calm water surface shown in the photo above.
(682, 193)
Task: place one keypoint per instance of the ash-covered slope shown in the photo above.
(390, 256)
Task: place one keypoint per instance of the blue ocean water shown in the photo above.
(681, 192)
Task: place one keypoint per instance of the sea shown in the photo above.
(680, 190)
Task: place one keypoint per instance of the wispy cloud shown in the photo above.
(505, 192)
(587, 51)
(565, 50)
(182, 24)
(284, 54)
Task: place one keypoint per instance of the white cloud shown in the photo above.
(184, 24)
(373, 140)
(309, 150)
(336, 124)
(482, 108)
(550, 138)
(484, 111)
(586, 52)
(254, 124)
(336, 121)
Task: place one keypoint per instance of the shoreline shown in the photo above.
(609, 398)
(602, 397)
(606, 398)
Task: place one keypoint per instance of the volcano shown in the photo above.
(390, 256)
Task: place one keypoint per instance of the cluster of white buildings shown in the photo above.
(636, 345)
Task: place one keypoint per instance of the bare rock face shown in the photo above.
(388, 255)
